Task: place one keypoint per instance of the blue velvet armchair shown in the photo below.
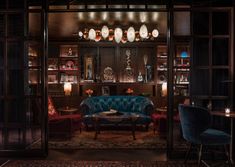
(195, 123)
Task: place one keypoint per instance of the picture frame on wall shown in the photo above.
(105, 91)
(68, 78)
(52, 79)
(68, 51)
(88, 68)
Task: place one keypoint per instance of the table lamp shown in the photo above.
(164, 89)
(67, 91)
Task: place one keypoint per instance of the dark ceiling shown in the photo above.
(66, 24)
(157, 2)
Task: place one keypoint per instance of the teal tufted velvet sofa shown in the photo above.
(140, 105)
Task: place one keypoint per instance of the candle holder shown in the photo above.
(227, 110)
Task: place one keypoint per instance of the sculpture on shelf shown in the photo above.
(128, 73)
(89, 72)
(145, 65)
(148, 73)
(108, 74)
(140, 77)
(70, 52)
(89, 69)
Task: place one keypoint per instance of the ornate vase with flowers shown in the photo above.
(129, 91)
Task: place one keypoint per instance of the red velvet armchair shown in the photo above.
(160, 118)
(62, 125)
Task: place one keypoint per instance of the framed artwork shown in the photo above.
(88, 68)
(68, 51)
(68, 78)
(52, 78)
(105, 91)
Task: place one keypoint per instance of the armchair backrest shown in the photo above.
(51, 109)
(194, 121)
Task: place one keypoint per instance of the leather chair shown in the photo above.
(195, 123)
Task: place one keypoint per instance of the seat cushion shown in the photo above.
(214, 137)
(157, 116)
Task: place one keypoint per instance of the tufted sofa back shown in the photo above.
(136, 104)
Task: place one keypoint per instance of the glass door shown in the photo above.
(22, 88)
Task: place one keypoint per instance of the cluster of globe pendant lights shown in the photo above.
(118, 35)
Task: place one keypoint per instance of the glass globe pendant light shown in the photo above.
(105, 32)
(155, 33)
(143, 31)
(131, 34)
(118, 34)
(92, 34)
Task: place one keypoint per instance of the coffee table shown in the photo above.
(127, 118)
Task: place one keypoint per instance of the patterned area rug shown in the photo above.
(110, 140)
(114, 139)
(46, 163)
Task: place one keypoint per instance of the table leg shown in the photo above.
(96, 128)
(232, 149)
(133, 130)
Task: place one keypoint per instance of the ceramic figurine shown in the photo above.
(140, 77)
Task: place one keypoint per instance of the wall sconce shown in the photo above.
(67, 88)
(164, 89)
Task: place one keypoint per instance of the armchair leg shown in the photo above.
(228, 155)
(200, 155)
(187, 154)
(146, 128)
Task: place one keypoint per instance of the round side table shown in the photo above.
(67, 110)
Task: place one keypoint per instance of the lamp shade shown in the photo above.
(131, 34)
(143, 31)
(164, 89)
(105, 32)
(67, 88)
(118, 34)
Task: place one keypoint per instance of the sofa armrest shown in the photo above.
(148, 109)
(85, 109)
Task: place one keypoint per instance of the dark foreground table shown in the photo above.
(230, 116)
